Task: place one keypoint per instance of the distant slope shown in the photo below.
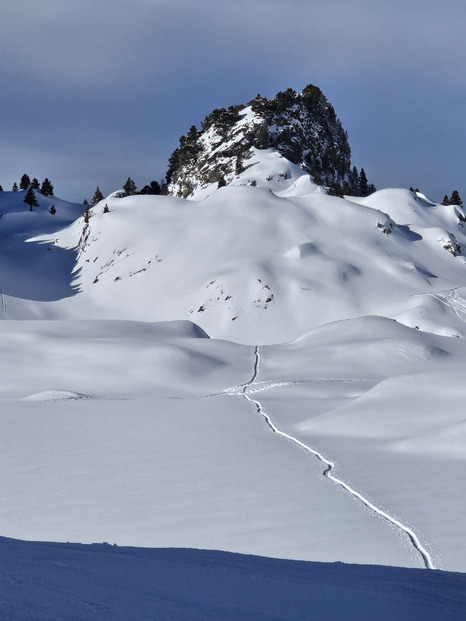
(254, 266)
(32, 272)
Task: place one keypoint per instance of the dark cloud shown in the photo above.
(95, 91)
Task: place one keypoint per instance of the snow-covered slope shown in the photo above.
(256, 266)
(326, 425)
(29, 272)
(65, 581)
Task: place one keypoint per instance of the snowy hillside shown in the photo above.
(121, 584)
(260, 267)
(267, 370)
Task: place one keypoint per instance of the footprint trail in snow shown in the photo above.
(249, 388)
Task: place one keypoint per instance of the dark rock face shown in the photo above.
(302, 127)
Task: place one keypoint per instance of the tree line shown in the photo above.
(26, 183)
(129, 189)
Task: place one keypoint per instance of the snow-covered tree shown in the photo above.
(15, 187)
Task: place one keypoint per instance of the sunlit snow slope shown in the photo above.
(336, 348)
(253, 266)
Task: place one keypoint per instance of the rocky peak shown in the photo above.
(302, 127)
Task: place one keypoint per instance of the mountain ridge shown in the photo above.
(301, 127)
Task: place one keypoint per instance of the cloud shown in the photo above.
(89, 43)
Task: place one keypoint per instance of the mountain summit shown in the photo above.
(301, 127)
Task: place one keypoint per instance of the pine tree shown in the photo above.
(25, 182)
(354, 181)
(86, 202)
(30, 199)
(363, 185)
(455, 199)
(98, 196)
(153, 188)
(34, 184)
(129, 187)
(446, 200)
(46, 188)
(1, 189)
(15, 187)
(106, 209)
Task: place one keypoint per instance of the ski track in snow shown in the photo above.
(454, 301)
(246, 391)
(3, 304)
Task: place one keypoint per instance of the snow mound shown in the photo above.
(55, 395)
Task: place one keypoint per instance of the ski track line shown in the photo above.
(330, 467)
(451, 299)
(3, 304)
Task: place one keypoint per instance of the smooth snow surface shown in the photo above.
(68, 581)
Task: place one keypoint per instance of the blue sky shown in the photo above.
(96, 91)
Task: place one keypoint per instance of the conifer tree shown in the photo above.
(129, 187)
(239, 165)
(46, 188)
(86, 202)
(25, 182)
(98, 196)
(1, 189)
(30, 199)
(446, 200)
(34, 184)
(354, 181)
(15, 187)
(363, 185)
(153, 188)
(455, 199)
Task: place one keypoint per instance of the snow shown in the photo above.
(44, 581)
(253, 267)
(268, 371)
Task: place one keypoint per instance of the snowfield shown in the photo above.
(267, 371)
